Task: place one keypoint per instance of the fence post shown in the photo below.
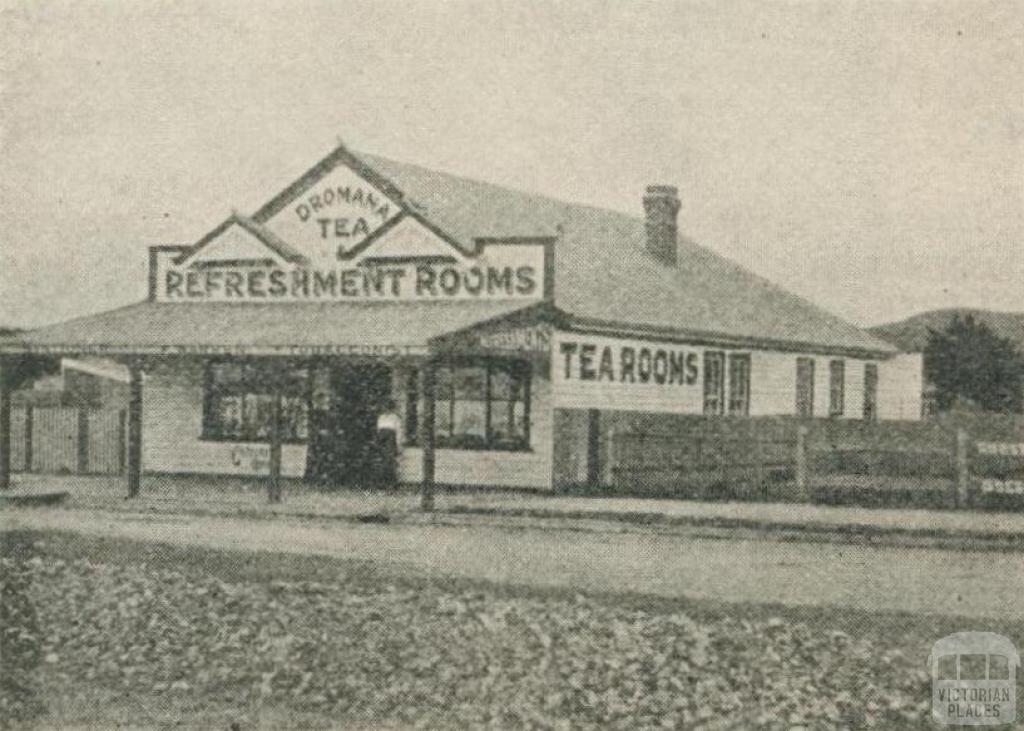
(428, 435)
(274, 466)
(30, 418)
(608, 465)
(134, 436)
(593, 448)
(759, 476)
(122, 440)
(801, 460)
(962, 496)
(83, 442)
(723, 463)
(6, 386)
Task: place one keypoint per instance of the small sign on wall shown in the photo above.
(525, 339)
(253, 458)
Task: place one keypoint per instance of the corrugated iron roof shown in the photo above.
(259, 327)
(604, 273)
(604, 279)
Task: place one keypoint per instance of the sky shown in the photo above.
(868, 156)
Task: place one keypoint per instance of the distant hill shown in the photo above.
(912, 334)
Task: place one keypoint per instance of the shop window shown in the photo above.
(739, 385)
(714, 382)
(805, 387)
(239, 400)
(836, 387)
(482, 404)
(870, 392)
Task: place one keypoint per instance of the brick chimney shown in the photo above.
(661, 206)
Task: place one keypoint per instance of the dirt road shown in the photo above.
(981, 584)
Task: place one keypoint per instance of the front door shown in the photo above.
(344, 445)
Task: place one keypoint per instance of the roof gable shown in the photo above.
(239, 240)
(342, 207)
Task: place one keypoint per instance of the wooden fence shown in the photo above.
(712, 465)
(65, 440)
(935, 464)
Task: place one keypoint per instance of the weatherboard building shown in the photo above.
(487, 318)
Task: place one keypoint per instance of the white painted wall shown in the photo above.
(172, 425)
(900, 387)
(172, 422)
(772, 383)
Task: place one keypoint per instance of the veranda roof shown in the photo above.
(379, 328)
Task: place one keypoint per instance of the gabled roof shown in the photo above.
(343, 156)
(339, 156)
(605, 277)
(264, 235)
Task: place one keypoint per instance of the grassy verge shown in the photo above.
(102, 632)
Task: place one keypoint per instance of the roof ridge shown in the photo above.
(510, 189)
(765, 282)
(340, 154)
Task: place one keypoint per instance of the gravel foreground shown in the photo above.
(96, 642)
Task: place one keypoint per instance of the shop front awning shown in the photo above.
(299, 329)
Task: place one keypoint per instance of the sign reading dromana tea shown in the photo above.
(333, 217)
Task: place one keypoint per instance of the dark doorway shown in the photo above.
(343, 441)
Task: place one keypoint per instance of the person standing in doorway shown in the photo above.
(389, 436)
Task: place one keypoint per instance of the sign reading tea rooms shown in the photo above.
(343, 239)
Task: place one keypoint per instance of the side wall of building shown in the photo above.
(901, 386)
(773, 378)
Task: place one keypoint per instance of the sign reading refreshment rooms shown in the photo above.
(344, 239)
(396, 282)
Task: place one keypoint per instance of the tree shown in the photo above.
(969, 361)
